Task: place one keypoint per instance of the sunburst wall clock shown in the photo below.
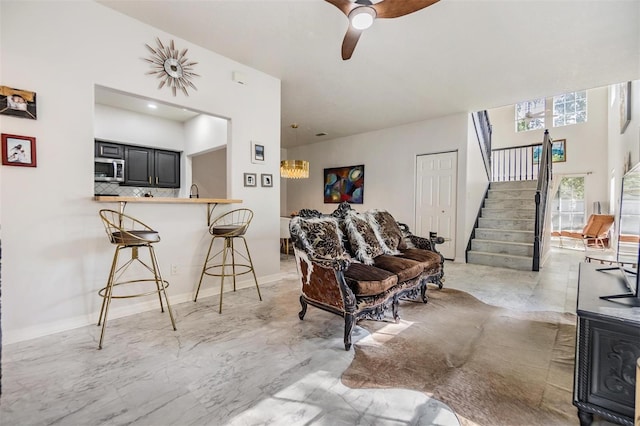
(172, 67)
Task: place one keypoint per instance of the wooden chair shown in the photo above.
(595, 232)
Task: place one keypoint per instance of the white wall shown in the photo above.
(389, 157)
(205, 133)
(477, 181)
(624, 149)
(55, 253)
(132, 128)
(586, 143)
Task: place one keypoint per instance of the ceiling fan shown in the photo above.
(362, 13)
(528, 116)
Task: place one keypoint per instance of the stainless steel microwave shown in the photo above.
(108, 170)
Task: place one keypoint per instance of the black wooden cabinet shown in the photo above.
(147, 167)
(138, 166)
(167, 169)
(108, 149)
(607, 347)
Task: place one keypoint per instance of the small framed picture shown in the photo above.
(18, 150)
(18, 103)
(625, 105)
(558, 152)
(250, 179)
(267, 179)
(257, 153)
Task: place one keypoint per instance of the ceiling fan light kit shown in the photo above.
(362, 13)
(362, 17)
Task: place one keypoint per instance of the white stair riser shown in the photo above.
(519, 263)
(517, 224)
(497, 247)
(508, 213)
(500, 235)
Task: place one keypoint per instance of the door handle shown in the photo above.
(156, 180)
(149, 180)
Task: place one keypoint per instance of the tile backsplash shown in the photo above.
(106, 188)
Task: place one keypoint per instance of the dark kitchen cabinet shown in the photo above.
(607, 347)
(108, 149)
(138, 166)
(148, 167)
(167, 169)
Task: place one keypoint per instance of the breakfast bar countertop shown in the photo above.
(169, 200)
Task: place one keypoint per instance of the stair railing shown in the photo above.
(544, 177)
(484, 131)
(515, 163)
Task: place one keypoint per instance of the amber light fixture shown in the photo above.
(294, 169)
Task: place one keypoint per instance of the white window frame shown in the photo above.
(530, 115)
(567, 109)
(572, 211)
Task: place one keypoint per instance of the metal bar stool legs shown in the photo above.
(255, 279)
(128, 233)
(112, 281)
(228, 227)
(204, 269)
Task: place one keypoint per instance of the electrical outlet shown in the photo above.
(174, 269)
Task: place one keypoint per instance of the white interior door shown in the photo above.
(436, 188)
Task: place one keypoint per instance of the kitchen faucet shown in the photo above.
(191, 194)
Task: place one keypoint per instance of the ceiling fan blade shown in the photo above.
(349, 43)
(345, 6)
(396, 8)
(530, 114)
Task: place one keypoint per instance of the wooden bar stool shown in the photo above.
(126, 232)
(229, 227)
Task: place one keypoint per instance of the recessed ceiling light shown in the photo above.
(322, 134)
(152, 106)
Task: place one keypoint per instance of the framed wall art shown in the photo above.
(266, 180)
(17, 103)
(625, 105)
(558, 151)
(18, 150)
(344, 184)
(257, 153)
(250, 179)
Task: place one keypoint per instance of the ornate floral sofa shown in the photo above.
(359, 265)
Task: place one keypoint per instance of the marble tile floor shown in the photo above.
(256, 364)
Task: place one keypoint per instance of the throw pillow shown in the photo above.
(320, 237)
(362, 237)
(388, 230)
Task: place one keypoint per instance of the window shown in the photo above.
(570, 108)
(530, 115)
(568, 212)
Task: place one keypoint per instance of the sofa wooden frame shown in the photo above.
(324, 285)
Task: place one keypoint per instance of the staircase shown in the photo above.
(505, 232)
